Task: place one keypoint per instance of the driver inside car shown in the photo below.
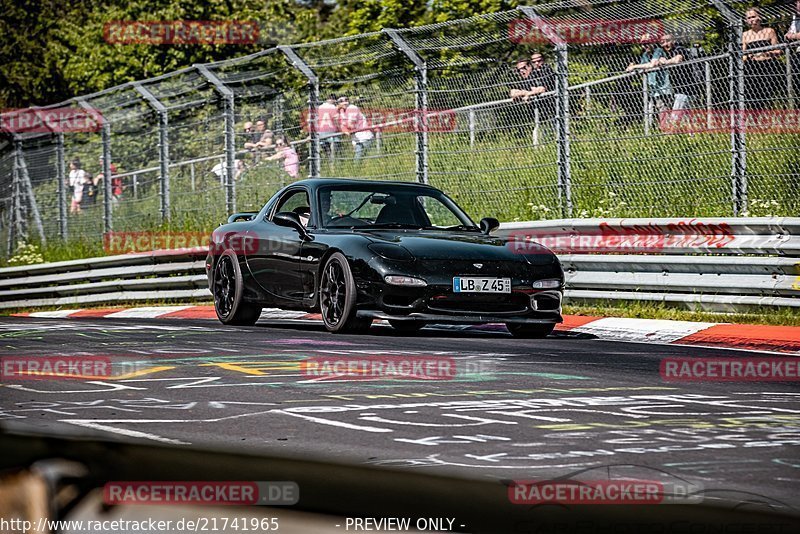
(304, 212)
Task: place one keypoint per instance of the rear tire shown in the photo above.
(407, 327)
(228, 288)
(530, 330)
(337, 297)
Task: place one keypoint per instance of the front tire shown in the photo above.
(338, 297)
(530, 330)
(228, 288)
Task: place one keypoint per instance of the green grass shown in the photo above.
(657, 310)
(616, 171)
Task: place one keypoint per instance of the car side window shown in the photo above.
(296, 201)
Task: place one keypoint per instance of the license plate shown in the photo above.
(475, 284)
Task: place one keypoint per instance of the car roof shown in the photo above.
(319, 182)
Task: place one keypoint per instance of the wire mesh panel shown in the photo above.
(366, 118)
(637, 70)
(271, 99)
(7, 221)
(135, 196)
(583, 108)
(493, 153)
(770, 122)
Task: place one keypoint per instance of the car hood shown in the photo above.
(433, 245)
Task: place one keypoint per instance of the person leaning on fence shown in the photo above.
(682, 78)
(353, 123)
(77, 181)
(116, 183)
(763, 71)
(658, 82)
(536, 77)
(328, 127)
(260, 137)
(793, 38)
(285, 151)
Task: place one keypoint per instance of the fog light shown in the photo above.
(397, 280)
(546, 284)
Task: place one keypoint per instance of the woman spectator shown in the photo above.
(77, 180)
(762, 70)
(285, 151)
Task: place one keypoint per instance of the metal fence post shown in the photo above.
(105, 132)
(163, 147)
(471, 119)
(421, 101)
(709, 94)
(297, 62)
(107, 216)
(790, 88)
(648, 114)
(230, 136)
(17, 227)
(61, 176)
(562, 108)
(25, 187)
(736, 106)
(277, 114)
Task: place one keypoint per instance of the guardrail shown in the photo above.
(716, 264)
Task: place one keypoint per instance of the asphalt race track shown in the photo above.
(516, 409)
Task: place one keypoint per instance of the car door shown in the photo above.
(275, 261)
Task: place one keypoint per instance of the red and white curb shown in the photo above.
(785, 339)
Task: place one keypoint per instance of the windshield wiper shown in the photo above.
(460, 227)
(396, 225)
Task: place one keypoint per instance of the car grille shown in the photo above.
(472, 303)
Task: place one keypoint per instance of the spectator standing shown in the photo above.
(682, 78)
(762, 70)
(260, 137)
(285, 151)
(658, 82)
(328, 127)
(353, 123)
(793, 37)
(536, 77)
(117, 186)
(77, 180)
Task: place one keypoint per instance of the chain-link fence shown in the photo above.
(570, 109)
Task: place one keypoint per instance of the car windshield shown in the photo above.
(388, 206)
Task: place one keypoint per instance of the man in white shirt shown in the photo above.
(77, 179)
(353, 123)
(328, 127)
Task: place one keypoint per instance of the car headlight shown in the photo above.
(546, 284)
(408, 281)
(390, 251)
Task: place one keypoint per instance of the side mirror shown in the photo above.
(290, 219)
(489, 224)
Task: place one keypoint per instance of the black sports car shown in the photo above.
(359, 250)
